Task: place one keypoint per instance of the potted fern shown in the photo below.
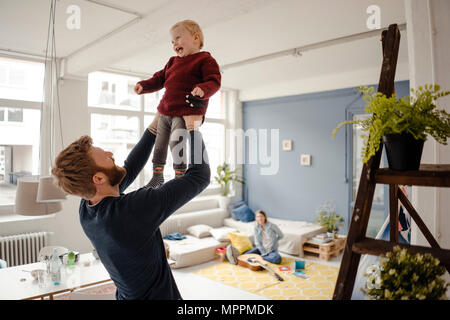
(224, 178)
(403, 125)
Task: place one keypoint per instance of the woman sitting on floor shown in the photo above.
(267, 236)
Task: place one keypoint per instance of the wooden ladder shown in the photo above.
(431, 175)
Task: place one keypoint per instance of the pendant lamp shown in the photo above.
(26, 204)
(39, 195)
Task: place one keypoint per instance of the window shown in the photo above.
(11, 114)
(21, 80)
(21, 90)
(116, 133)
(152, 100)
(379, 204)
(113, 91)
(119, 117)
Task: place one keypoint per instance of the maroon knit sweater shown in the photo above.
(179, 77)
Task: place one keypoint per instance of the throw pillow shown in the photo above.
(232, 253)
(233, 206)
(236, 204)
(244, 213)
(199, 230)
(221, 234)
(240, 241)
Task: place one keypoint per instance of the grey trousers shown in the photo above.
(168, 135)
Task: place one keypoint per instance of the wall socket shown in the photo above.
(305, 159)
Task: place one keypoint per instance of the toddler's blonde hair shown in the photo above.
(192, 27)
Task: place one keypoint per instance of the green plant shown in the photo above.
(403, 276)
(225, 176)
(417, 116)
(328, 217)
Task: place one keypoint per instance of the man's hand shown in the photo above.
(198, 92)
(193, 122)
(138, 88)
(153, 127)
(195, 102)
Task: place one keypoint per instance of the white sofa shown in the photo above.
(192, 251)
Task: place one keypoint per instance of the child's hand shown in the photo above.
(198, 92)
(138, 88)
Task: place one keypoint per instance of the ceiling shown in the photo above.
(133, 36)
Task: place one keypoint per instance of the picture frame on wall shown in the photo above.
(287, 145)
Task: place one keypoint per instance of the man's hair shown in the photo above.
(74, 168)
(192, 27)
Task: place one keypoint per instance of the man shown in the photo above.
(124, 228)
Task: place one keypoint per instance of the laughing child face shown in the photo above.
(184, 42)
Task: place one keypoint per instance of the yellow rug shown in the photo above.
(319, 285)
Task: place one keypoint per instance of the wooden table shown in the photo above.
(87, 272)
(324, 251)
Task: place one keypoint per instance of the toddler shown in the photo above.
(190, 79)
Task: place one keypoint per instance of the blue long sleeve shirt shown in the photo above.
(125, 230)
(273, 232)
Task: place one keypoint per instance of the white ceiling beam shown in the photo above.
(115, 7)
(297, 51)
(150, 30)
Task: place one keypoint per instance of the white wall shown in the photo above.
(75, 123)
(233, 122)
(351, 78)
(429, 54)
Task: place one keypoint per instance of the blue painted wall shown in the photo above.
(296, 191)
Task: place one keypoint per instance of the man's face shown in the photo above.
(105, 161)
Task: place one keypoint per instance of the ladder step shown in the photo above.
(380, 247)
(431, 175)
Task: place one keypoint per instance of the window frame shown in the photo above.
(8, 209)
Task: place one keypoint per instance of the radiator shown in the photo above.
(22, 248)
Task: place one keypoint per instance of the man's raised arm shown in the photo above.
(177, 192)
(153, 206)
(139, 155)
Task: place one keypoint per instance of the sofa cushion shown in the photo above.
(233, 206)
(221, 234)
(244, 213)
(199, 230)
(240, 241)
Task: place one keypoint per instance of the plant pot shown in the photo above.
(224, 201)
(403, 151)
(330, 234)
